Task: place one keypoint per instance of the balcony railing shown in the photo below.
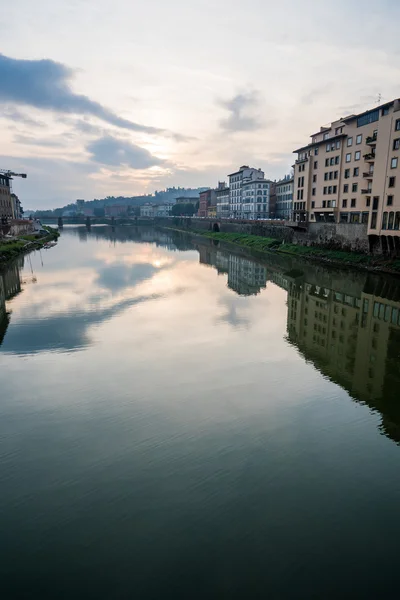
(368, 175)
(366, 191)
(371, 139)
(369, 156)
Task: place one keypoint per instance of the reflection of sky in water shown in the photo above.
(82, 286)
(153, 412)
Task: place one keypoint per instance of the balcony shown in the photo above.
(371, 139)
(368, 175)
(301, 160)
(369, 156)
(366, 191)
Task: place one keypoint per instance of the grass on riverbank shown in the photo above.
(255, 242)
(13, 248)
(338, 257)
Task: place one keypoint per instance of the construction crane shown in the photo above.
(10, 174)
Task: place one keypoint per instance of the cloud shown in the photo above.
(13, 114)
(64, 332)
(120, 276)
(44, 84)
(108, 150)
(36, 141)
(243, 109)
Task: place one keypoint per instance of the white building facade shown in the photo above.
(249, 194)
(284, 198)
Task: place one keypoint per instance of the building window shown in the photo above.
(384, 220)
(313, 191)
(338, 130)
(335, 189)
(385, 111)
(331, 175)
(347, 173)
(323, 203)
(344, 203)
(370, 117)
(326, 136)
(390, 200)
(368, 201)
(335, 175)
(354, 187)
(327, 162)
(392, 182)
(315, 164)
(375, 203)
(312, 204)
(353, 203)
(326, 176)
(332, 161)
(348, 157)
(338, 145)
(397, 125)
(328, 147)
(336, 160)
(345, 188)
(349, 141)
(396, 144)
(314, 178)
(356, 171)
(330, 189)
(393, 164)
(359, 139)
(357, 155)
(316, 152)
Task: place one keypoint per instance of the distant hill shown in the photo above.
(98, 205)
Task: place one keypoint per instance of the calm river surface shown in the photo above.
(181, 421)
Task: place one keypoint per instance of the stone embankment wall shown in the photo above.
(338, 236)
(17, 227)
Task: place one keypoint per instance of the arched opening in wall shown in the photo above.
(384, 244)
(390, 244)
(396, 241)
(216, 228)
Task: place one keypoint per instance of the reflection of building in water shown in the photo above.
(354, 340)
(11, 281)
(280, 279)
(246, 277)
(10, 286)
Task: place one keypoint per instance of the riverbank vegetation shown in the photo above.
(13, 247)
(317, 253)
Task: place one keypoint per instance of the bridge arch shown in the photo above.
(216, 228)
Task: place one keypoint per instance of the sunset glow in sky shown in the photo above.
(105, 98)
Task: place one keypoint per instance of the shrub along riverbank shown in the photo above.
(336, 257)
(10, 249)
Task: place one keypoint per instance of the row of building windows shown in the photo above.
(391, 220)
(330, 175)
(333, 160)
(4, 181)
(354, 217)
(357, 156)
(333, 146)
(358, 140)
(386, 313)
(356, 172)
(331, 189)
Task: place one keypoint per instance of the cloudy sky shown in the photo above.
(104, 98)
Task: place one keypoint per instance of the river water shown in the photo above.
(178, 420)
